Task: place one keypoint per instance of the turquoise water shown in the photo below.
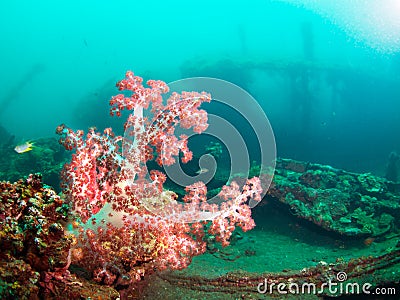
(325, 73)
(60, 61)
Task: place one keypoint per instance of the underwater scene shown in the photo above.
(200, 150)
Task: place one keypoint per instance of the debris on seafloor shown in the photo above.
(350, 204)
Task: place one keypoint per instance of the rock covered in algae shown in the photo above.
(35, 248)
(350, 204)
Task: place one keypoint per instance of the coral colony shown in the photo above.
(128, 225)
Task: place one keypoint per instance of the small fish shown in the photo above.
(25, 147)
(369, 241)
(202, 171)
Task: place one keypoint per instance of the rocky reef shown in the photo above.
(35, 247)
(351, 204)
(36, 258)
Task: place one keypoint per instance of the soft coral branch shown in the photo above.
(142, 227)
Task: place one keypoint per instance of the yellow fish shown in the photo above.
(25, 147)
